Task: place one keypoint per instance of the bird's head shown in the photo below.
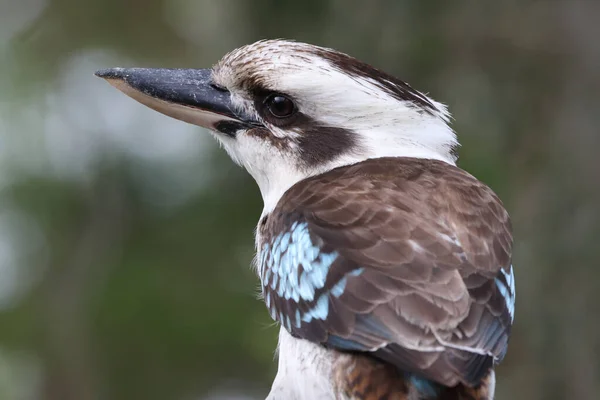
(287, 110)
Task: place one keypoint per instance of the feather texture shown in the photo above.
(408, 259)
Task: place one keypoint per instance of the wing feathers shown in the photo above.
(421, 275)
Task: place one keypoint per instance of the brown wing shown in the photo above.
(406, 258)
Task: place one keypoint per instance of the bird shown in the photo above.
(388, 267)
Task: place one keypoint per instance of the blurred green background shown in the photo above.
(126, 237)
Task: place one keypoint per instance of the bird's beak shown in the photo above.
(186, 94)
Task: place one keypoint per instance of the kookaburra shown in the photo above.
(387, 266)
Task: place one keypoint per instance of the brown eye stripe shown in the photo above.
(319, 143)
(393, 86)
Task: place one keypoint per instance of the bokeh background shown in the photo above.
(126, 236)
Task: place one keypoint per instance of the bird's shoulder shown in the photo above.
(399, 203)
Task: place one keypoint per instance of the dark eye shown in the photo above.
(280, 106)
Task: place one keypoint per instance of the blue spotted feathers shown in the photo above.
(295, 269)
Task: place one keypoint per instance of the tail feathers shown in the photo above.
(423, 389)
(359, 377)
(483, 391)
(364, 378)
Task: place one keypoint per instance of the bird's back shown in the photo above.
(401, 268)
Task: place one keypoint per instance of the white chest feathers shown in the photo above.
(305, 371)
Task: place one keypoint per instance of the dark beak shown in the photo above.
(186, 94)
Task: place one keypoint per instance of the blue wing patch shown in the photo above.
(507, 289)
(293, 268)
